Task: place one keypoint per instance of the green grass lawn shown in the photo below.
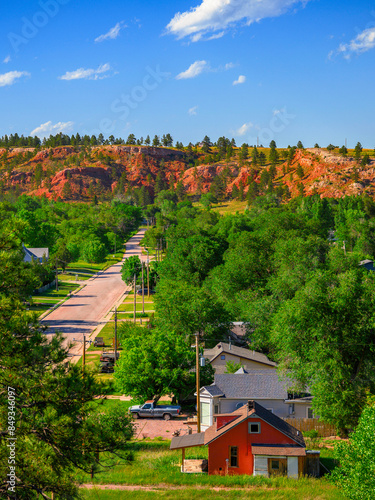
(107, 333)
(41, 302)
(129, 307)
(155, 464)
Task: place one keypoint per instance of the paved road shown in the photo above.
(86, 309)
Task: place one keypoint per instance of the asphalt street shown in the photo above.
(85, 310)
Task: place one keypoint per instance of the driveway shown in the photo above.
(85, 310)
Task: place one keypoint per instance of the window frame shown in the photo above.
(233, 456)
(254, 423)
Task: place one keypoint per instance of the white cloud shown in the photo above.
(6, 60)
(217, 15)
(48, 128)
(112, 33)
(194, 70)
(361, 43)
(243, 129)
(240, 79)
(193, 111)
(10, 77)
(199, 67)
(87, 74)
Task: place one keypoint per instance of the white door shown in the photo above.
(206, 414)
(260, 466)
(293, 467)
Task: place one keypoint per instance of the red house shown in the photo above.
(251, 440)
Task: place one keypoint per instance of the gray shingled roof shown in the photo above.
(37, 253)
(214, 390)
(242, 352)
(256, 384)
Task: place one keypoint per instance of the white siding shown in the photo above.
(260, 466)
(293, 467)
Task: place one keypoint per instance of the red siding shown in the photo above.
(218, 450)
(223, 420)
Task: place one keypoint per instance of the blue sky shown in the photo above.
(276, 69)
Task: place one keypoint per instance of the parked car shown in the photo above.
(99, 342)
(106, 368)
(139, 292)
(149, 410)
(109, 357)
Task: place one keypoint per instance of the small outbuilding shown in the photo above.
(253, 441)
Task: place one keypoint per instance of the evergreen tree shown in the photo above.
(148, 140)
(357, 151)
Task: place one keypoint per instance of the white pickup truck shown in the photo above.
(149, 410)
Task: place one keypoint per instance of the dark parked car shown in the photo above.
(106, 368)
(139, 292)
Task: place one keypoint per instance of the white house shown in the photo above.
(230, 391)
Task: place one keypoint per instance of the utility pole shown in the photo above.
(148, 276)
(197, 381)
(143, 291)
(114, 362)
(83, 355)
(135, 299)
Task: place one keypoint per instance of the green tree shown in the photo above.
(207, 200)
(93, 250)
(343, 151)
(300, 171)
(232, 367)
(356, 457)
(324, 336)
(365, 160)
(357, 151)
(154, 363)
(131, 139)
(156, 141)
(57, 433)
(244, 153)
(300, 145)
(148, 140)
(131, 266)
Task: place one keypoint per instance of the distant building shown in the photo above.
(219, 356)
(230, 391)
(368, 264)
(35, 254)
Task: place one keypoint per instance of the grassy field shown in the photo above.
(43, 301)
(154, 464)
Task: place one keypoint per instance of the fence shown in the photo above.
(46, 287)
(309, 424)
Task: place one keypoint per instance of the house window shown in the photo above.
(222, 356)
(254, 428)
(310, 413)
(275, 465)
(233, 454)
(216, 409)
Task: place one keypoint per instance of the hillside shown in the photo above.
(79, 173)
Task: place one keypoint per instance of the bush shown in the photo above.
(93, 250)
(311, 434)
